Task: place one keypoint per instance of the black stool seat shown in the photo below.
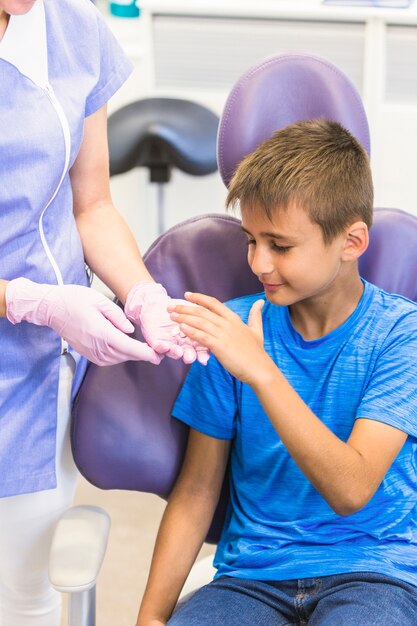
(161, 133)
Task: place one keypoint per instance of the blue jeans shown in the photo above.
(358, 599)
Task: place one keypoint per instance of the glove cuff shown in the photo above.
(139, 294)
(23, 297)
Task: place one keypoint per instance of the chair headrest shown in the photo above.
(281, 90)
(391, 258)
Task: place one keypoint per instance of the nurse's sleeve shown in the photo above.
(208, 400)
(114, 68)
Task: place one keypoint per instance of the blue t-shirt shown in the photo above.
(278, 526)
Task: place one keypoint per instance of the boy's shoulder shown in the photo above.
(394, 305)
(385, 318)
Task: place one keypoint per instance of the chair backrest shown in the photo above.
(280, 90)
(391, 258)
(123, 435)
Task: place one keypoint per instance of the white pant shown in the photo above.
(26, 526)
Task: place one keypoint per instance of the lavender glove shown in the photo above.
(91, 323)
(147, 305)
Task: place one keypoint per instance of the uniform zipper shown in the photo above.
(67, 141)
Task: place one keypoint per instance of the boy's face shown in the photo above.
(289, 255)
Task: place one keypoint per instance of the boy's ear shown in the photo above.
(356, 241)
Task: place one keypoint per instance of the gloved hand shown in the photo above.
(147, 304)
(91, 323)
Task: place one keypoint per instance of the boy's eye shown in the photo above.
(274, 246)
(280, 249)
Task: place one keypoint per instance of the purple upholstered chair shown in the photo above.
(281, 90)
(123, 436)
(122, 433)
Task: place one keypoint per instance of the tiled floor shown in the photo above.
(135, 519)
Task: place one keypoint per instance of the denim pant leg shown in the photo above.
(365, 599)
(230, 601)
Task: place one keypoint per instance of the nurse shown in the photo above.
(59, 65)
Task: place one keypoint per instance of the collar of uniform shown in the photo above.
(24, 44)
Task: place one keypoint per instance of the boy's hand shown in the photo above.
(147, 304)
(238, 347)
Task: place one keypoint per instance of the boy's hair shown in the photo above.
(319, 165)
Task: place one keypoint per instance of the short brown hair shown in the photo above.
(316, 163)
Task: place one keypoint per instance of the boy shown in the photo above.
(315, 399)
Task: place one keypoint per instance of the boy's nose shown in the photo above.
(260, 262)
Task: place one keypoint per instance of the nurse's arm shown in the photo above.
(109, 247)
(3, 285)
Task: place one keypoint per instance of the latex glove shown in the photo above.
(147, 304)
(91, 323)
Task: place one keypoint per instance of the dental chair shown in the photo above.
(123, 436)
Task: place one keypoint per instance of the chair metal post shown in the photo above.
(82, 608)
(160, 189)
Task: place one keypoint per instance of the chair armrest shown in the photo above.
(78, 548)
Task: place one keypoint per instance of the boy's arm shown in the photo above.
(184, 525)
(346, 474)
